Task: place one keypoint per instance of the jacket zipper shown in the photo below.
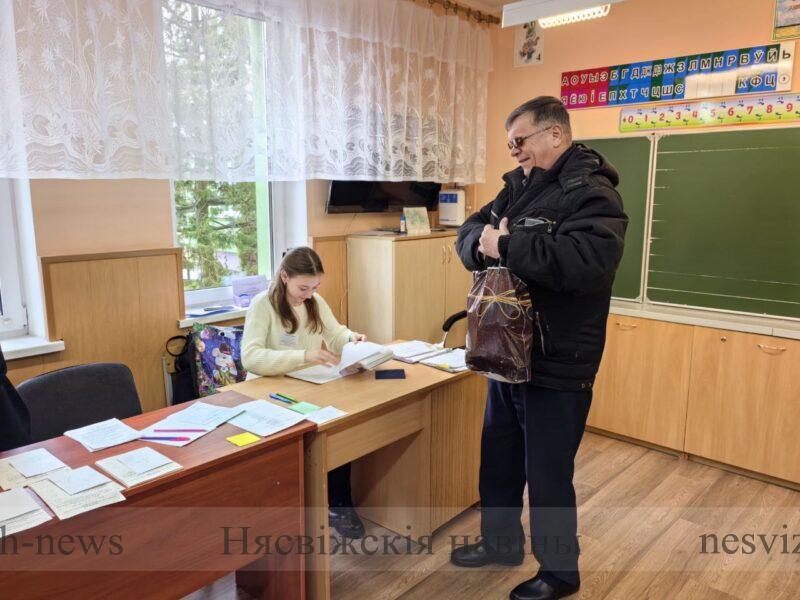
(541, 333)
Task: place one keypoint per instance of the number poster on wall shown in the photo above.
(757, 70)
(773, 108)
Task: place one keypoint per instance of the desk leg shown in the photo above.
(318, 576)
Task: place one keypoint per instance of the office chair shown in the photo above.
(448, 325)
(77, 396)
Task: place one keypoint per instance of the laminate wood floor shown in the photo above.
(642, 516)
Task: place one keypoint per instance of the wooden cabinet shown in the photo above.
(402, 287)
(456, 424)
(642, 387)
(744, 402)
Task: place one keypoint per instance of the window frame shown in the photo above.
(222, 294)
(14, 318)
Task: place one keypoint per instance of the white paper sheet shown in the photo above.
(323, 415)
(74, 481)
(10, 478)
(19, 511)
(103, 435)
(202, 414)
(35, 462)
(143, 460)
(68, 505)
(129, 478)
(264, 418)
(405, 350)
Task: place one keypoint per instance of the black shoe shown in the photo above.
(345, 520)
(538, 589)
(480, 554)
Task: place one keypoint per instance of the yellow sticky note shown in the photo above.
(243, 439)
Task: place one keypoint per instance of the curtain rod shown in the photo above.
(469, 12)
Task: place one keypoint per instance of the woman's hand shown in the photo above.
(359, 337)
(321, 357)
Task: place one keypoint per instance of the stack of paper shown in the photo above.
(416, 351)
(103, 435)
(138, 466)
(66, 505)
(202, 414)
(25, 468)
(264, 418)
(19, 511)
(189, 424)
(407, 351)
(356, 357)
(452, 361)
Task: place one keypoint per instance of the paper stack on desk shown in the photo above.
(66, 505)
(356, 357)
(453, 361)
(416, 351)
(25, 468)
(187, 425)
(19, 511)
(409, 351)
(138, 466)
(105, 434)
(264, 418)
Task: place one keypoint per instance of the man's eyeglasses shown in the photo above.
(516, 142)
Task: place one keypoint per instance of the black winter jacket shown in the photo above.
(15, 427)
(567, 234)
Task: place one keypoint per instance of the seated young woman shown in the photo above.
(284, 330)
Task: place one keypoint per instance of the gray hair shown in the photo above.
(545, 110)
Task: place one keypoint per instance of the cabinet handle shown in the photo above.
(449, 254)
(444, 254)
(771, 349)
(626, 326)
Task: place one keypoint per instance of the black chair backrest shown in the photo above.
(77, 396)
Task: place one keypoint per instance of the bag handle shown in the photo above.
(174, 338)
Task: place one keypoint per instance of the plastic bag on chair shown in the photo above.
(499, 326)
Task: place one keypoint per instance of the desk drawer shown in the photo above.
(376, 432)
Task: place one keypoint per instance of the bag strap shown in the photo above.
(186, 341)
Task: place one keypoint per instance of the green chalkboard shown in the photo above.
(726, 221)
(631, 157)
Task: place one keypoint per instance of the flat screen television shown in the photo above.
(381, 196)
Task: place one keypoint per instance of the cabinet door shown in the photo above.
(419, 277)
(744, 402)
(456, 424)
(458, 282)
(370, 288)
(642, 386)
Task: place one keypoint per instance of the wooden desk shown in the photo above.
(417, 441)
(169, 533)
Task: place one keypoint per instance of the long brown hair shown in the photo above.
(296, 261)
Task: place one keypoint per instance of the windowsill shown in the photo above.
(773, 326)
(236, 313)
(29, 345)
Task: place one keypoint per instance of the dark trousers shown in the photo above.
(339, 491)
(531, 434)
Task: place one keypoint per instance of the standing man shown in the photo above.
(15, 424)
(558, 225)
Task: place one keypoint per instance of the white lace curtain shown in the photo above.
(239, 90)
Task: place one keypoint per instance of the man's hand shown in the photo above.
(489, 237)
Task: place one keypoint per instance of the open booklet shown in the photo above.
(356, 357)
